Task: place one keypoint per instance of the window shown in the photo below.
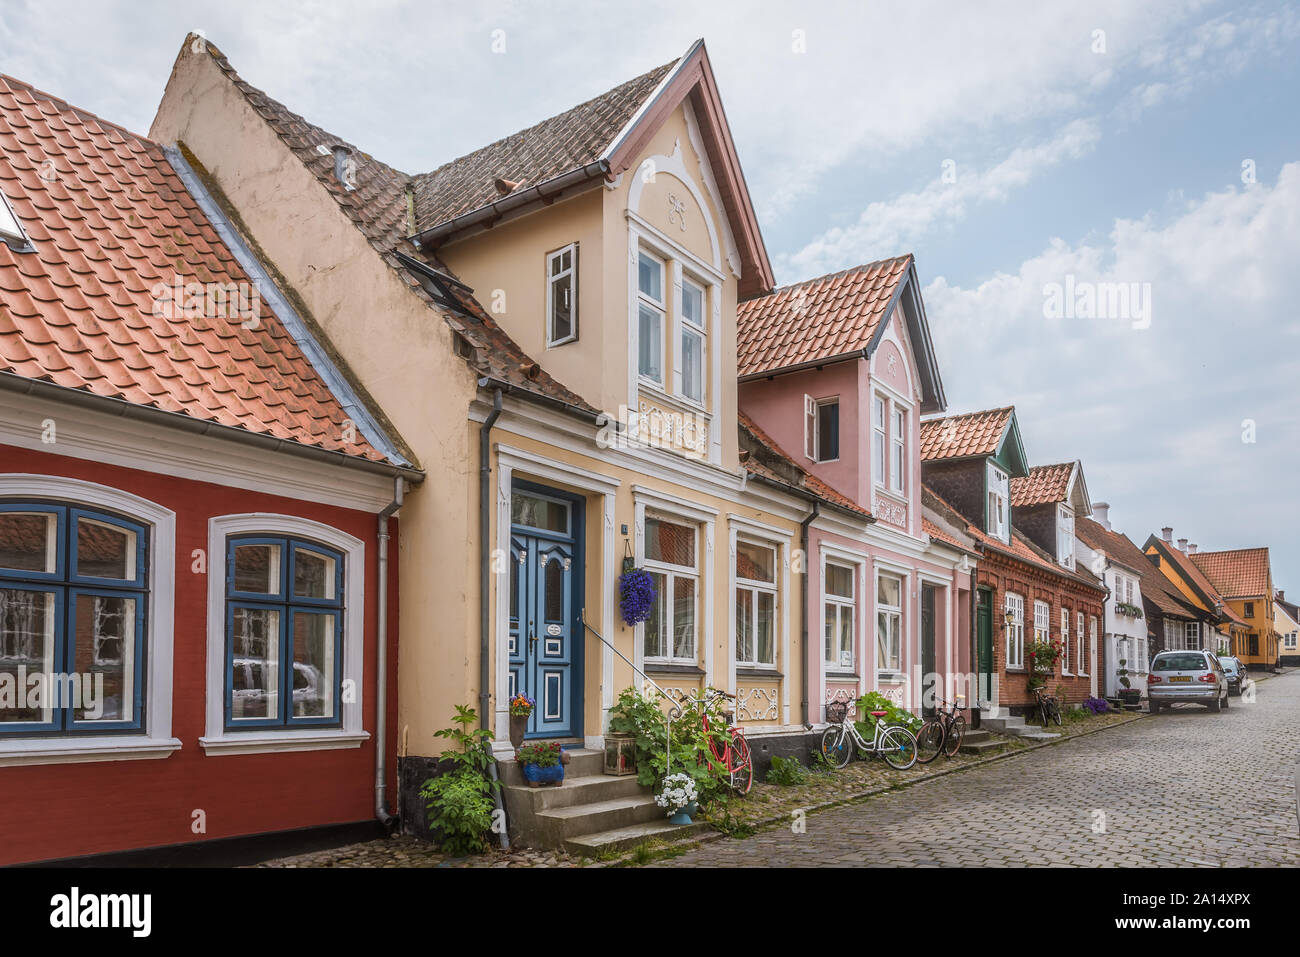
(1192, 635)
(999, 493)
(889, 623)
(10, 228)
(1250, 609)
(1083, 663)
(1042, 621)
(650, 318)
(1015, 631)
(562, 295)
(670, 558)
(284, 632)
(1065, 536)
(1065, 641)
(839, 593)
(1254, 645)
(1289, 642)
(73, 602)
(898, 460)
(878, 440)
(755, 604)
(693, 338)
(821, 428)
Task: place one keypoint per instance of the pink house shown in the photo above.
(837, 372)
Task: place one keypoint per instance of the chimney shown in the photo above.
(1167, 534)
(1101, 514)
(1182, 545)
(1281, 595)
(1191, 549)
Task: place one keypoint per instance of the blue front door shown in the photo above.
(545, 608)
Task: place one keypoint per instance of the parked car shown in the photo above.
(1235, 672)
(1193, 676)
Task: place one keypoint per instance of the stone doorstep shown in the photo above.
(623, 838)
(583, 762)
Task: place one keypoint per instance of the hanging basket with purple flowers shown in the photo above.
(636, 595)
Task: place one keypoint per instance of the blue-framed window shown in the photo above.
(74, 601)
(284, 633)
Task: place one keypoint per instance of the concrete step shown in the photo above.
(973, 737)
(984, 746)
(1004, 723)
(622, 838)
(587, 789)
(1039, 735)
(559, 824)
(583, 762)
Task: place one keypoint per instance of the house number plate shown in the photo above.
(553, 629)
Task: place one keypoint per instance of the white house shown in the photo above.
(1113, 558)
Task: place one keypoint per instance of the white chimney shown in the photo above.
(1167, 534)
(1101, 514)
(1191, 549)
(1182, 545)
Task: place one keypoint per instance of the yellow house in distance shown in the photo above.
(1244, 577)
(1224, 629)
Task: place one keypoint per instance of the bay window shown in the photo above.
(671, 559)
(839, 602)
(1065, 536)
(1015, 636)
(650, 318)
(999, 492)
(889, 623)
(755, 604)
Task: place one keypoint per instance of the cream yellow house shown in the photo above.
(551, 322)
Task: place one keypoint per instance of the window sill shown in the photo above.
(757, 671)
(890, 676)
(839, 675)
(683, 403)
(671, 668)
(1013, 670)
(85, 749)
(261, 742)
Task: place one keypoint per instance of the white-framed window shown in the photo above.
(756, 566)
(999, 494)
(878, 439)
(839, 595)
(1290, 641)
(672, 559)
(889, 622)
(1083, 664)
(1065, 641)
(1192, 636)
(562, 295)
(694, 338)
(651, 312)
(1065, 536)
(821, 424)
(1042, 621)
(1015, 610)
(898, 452)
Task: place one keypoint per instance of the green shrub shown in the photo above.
(875, 701)
(641, 715)
(458, 801)
(786, 771)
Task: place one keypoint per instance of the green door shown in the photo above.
(929, 678)
(984, 642)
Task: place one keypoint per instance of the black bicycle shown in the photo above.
(943, 733)
(1049, 707)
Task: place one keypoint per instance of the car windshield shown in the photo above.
(1177, 662)
(1228, 664)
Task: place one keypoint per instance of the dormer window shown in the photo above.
(562, 295)
(10, 229)
(1065, 536)
(999, 493)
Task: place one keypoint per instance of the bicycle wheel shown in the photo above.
(742, 765)
(1056, 713)
(837, 746)
(929, 742)
(953, 737)
(898, 746)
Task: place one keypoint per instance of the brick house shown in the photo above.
(1024, 591)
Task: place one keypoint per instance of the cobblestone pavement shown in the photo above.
(1184, 788)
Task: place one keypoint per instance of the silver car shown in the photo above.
(1194, 676)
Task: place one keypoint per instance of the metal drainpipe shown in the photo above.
(803, 627)
(484, 589)
(381, 669)
(974, 647)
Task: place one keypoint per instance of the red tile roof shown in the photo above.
(962, 436)
(769, 460)
(1120, 548)
(1043, 484)
(1193, 576)
(109, 222)
(825, 318)
(1238, 573)
(937, 533)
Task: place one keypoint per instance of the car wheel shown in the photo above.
(1227, 700)
(1216, 705)
(1153, 706)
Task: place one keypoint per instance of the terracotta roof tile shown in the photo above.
(378, 208)
(1238, 573)
(820, 319)
(772, 462)
(962, 436)
(1043, 484)
(109, 219)
(1120, 548)
(571, 140)
(1194, 576)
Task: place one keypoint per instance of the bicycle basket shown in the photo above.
(837, 711)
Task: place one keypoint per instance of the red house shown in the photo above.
(197, 562)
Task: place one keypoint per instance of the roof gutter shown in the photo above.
(178, 420)
(568, 408)
(486, 216)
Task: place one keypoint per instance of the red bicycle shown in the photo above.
(732, 751)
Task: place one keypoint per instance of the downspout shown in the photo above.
(803, 626)
(974, 647)
(484, 588)
(381, 669)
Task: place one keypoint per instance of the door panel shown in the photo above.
(928, 665)
(984, 640)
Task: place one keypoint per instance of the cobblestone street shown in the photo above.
(1184, 788)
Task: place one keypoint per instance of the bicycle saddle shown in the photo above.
(879, 714)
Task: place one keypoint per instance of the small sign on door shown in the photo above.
(553, 629)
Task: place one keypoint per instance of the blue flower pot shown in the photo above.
(537, 776)
(681, 817)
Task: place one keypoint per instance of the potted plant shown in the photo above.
(1129, 695)
(521, 706)
(636, 594)
(542, 763)
(679, 797)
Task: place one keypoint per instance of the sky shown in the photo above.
(1033, 156)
